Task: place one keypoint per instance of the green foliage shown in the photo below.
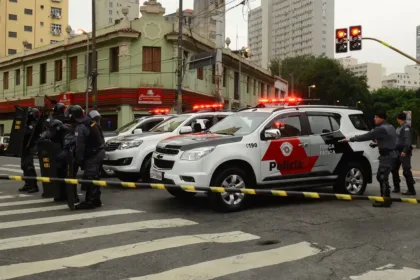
(332, 81)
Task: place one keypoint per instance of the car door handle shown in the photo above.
(303, 145)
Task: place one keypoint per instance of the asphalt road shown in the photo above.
(147, 234)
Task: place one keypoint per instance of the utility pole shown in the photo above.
(94, 59)
(293, 83)
(180, 35)
(220, 31)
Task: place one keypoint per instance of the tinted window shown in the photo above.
(359, 122)
(150, 124)
(324, 124)
(335, 122)
(242, 123)
(289, 126)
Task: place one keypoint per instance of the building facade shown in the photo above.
(418, 42)
(295, 27)
(409, 80)
(109, 12)
(255, 34)
(204, 17)
(31, 24)
(187, 17)
(374, 72)
(137, 63)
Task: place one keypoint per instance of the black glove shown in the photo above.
(373, 145)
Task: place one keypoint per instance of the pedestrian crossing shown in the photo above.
(15, 169)
(150, 234)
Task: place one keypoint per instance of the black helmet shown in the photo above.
(74, 112)
(59, 109)
(34, 113)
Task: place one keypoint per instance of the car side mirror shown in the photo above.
(138, 131)
(271, 134)
(186, 130)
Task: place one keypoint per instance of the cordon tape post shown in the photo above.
(265, 192)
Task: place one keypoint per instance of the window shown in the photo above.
(55, 12)
(12, 17)
(27, 28)
(224, 76)
(200, 73)
(240, 124)
(6, 80)
(43, 73)
(56, 29)
(28, 11)
(110, 12)
(29, 46)
(53, 41)
(248, 84)
(14, 1)
(73, 68)
(110, 20)
(289, 126)
(17, 77)
(359, 122)
(12, 34)
(321, 124)
(236, 85)
(114, 59)
(29, 76)
(151, 59)
(58, 70)
(41, 23)
(213, 74)
(11, 51)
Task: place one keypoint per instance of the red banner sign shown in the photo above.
(65, 98)
(150, 96)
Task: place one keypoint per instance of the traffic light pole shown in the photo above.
(392, 48)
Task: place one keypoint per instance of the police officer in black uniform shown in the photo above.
(89, 154)
(28, 151)
(385, 138)
(404, 151)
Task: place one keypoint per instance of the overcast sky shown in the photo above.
(389, 20)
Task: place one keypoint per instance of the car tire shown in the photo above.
(232, 176)
(145, 169)
(127, 177)
(181, 194)
(352, 180)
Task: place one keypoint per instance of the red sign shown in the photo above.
(150, 96)
(65, 98)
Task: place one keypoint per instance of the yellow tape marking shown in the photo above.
(248, 191)
(217, 189)
(46, 165)
(100, 183)
(45, 159)
(18, 122)
(188, 188)
(311, 195)
(15, 178)
(43, 179)
(71, 181)
(376, 198)
(158, 186)
(410, 200)
(128, 185)
(343, 196)
(279, 193)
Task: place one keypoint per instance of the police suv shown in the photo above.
(279, 144)
(130, 156)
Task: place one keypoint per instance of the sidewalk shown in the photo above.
(415, 163)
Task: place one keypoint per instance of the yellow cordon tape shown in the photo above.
(311, 195)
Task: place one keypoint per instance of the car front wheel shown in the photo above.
(352, 180)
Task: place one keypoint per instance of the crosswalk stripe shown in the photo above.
(60, 236)
(15, 196)
(66, 218)
(33, 210)
(25, 202)
(11, 170)
(99, 256)
(18, 166)
(386, 272)
(225, 266)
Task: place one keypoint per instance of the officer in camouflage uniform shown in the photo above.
(404, 151)
(385, 138)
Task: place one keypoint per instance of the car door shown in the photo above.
(287, 157)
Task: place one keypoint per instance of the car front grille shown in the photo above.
(112, 146)
(163, 164)
(166, 151)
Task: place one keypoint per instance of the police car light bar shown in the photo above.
(159, 111)
(285, 101)
(208, 107)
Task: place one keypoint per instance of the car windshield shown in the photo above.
(127, 127)
(170, 124)
(242, 123)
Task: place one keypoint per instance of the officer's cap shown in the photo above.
(402, 116)
(93, 114)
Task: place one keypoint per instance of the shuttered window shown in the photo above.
(152, 59)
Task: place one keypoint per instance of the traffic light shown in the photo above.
(341, 40)
(355, 38)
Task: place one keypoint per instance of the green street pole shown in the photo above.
(392, 48)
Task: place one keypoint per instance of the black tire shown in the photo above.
(127, 177)
(342, 184)
(181, 194)
(145, 169)
(216, 199)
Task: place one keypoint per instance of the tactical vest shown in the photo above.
(95, 141)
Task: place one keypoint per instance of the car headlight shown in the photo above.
(129, 145)
(197, 154)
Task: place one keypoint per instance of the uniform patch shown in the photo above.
(407, 129)
(76, 134)
(286, 149)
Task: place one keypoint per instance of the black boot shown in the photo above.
(89, 202)
(34, 189)
(387, 195)
(25, 188)
(396, 189)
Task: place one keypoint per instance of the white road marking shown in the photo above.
(226, 266)
(386, 272)
(66, 218)
(15, 196)
(100, 256)
(60, 236)
(33, 210)
(18, 166)
(25, 202)
(11, 170)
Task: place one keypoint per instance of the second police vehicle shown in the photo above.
(130, 156)
(278, 144)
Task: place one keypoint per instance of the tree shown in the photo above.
(332, 81)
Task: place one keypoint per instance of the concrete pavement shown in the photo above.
(147, 234)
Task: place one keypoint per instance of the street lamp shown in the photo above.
(81, 31)
(309, 89)
(357, 104)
